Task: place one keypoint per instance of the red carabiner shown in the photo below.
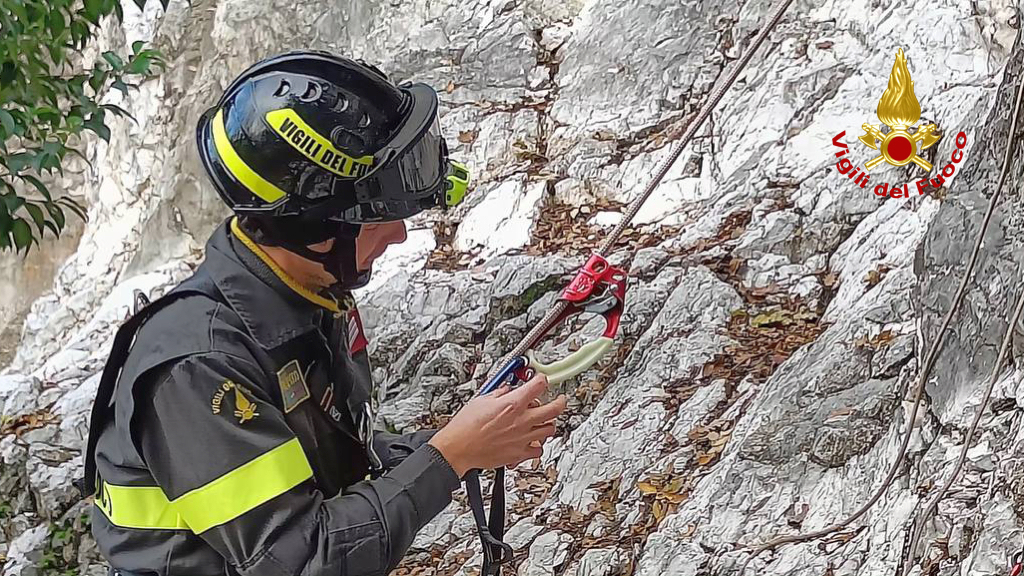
(599, 288)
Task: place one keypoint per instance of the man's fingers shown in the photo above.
(547, 412)
(501, 391)
(530, 454)
(532, 389)
(540, 434)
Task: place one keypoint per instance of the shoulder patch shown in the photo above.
(245, 408)
(293, 385)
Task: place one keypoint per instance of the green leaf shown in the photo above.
(56, 53)
(118, 110)
(13, 202)
(56, 213)
(140, 64)
(74, 123)
(18, 162)
(113, 59)
(74, 207)
(97, 79)
(120, 85)
(76, 152)
(37, 216)
(5, 219)
(55, 22)
(93, 10)
(8, 74)
(52, 228)
(22, 234)
(39, 185)
(138, 44)
(7, 121)
(96, 124)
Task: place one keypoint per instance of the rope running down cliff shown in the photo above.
(555, 312)
(929, 363)
(930, 509)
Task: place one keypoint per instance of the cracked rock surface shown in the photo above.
(776, 314)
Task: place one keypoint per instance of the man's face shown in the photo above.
(374, 239)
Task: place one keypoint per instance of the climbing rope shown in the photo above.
(556, 313)
(930, 509)
(928, 364)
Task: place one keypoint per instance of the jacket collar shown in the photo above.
(259, 292)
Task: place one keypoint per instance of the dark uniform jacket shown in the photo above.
(234, 445)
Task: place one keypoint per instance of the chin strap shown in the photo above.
(339, 261)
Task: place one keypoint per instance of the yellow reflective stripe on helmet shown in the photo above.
(244, 488)
(313, 145)
(238, 168)
(261, 479)
(138, 507)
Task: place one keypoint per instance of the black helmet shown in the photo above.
(306, 146)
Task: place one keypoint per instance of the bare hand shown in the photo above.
(502, 428)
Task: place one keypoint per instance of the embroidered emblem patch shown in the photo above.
(293, 385)
(245, 408)
(356, 338)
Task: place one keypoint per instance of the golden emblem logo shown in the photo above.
(245, 409)
(899, 110)
(902, 143)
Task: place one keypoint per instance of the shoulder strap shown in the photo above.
(102, 408)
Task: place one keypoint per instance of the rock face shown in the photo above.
(776, 313)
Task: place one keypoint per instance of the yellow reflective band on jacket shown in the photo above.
(222, 500)
(238, 168)
(138, 507)
(284, 276)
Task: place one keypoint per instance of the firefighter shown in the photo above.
(233, 431)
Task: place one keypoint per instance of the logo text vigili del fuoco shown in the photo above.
(902, 143)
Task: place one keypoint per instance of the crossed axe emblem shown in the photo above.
(925, 135)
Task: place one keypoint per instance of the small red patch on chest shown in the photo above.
(356, 338)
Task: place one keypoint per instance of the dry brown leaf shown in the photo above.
(705, 459)
(646, 488)
(675, 498)
(775, 317)
(659, 510)
(674, 486)
(840, 412)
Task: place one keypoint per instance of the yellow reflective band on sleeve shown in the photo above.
(313, 145)
(244, 488)
(265, 477)
(138, 507)
(238, 168)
